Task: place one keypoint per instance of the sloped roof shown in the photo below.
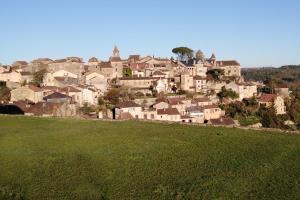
(267, 97)
(210, 106)
(194, 109)
(158, 73)
(168, 111)
(70, 89)
(57, 95)
(34, 88)
(67, 80)
(227, 63)
(200, 99)
(127, 104)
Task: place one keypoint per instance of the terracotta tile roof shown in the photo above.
(168, 111)
(69, 89)
(223, 121)
(227, 63)
(34, 88)
(201, 99)
(93, 59)
(138, 78)
(194, 109)
(210, 106)
(127, 104)
(158, 73)
(67, 80)
(25, 73)
(105, 65)
(51, 88)
(176, 100)
(115, 59)
(21, 62)
(60, 61)
(267, 97)
(57, 95)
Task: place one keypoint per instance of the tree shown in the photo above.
(113, 96)
(4, 95)
(216, 74)
(127, 72)
(183, 53)
(38, 77)
(269, 118)
(225, 94)
(86, 109)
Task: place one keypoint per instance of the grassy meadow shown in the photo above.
(43, 158)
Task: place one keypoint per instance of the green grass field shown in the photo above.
(77, 159)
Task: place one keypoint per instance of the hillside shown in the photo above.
(289, 75)
(75, 159)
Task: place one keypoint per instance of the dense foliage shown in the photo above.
(38, 77)
(227, 94)
(183, 53)
(4, 94)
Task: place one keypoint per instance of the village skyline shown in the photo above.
(257, 33)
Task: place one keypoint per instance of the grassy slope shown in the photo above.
(74, 159)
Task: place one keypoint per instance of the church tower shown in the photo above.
(116, 63)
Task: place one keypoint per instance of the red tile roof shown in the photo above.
(127, 104)
(168, 111)
(267, 98)
(34, 88)
(227, 63)
(210, 106)
(201, 99)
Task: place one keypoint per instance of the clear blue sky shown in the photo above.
(255, 32)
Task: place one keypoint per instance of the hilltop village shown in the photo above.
(189, 88)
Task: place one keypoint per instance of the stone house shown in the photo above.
(196, 112)
(64, 73)
(50, 109)
(282, 90)
(201, 101)
(98, 80)
(72, 65)
(168, 114)
(244, 90)
(275, 100)
(128, 108)
(187, 82)
(200, 84)
(161, 105)
(89, 95)
(57, 97)
(149, 114)
(212, 112)
(29, 92)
